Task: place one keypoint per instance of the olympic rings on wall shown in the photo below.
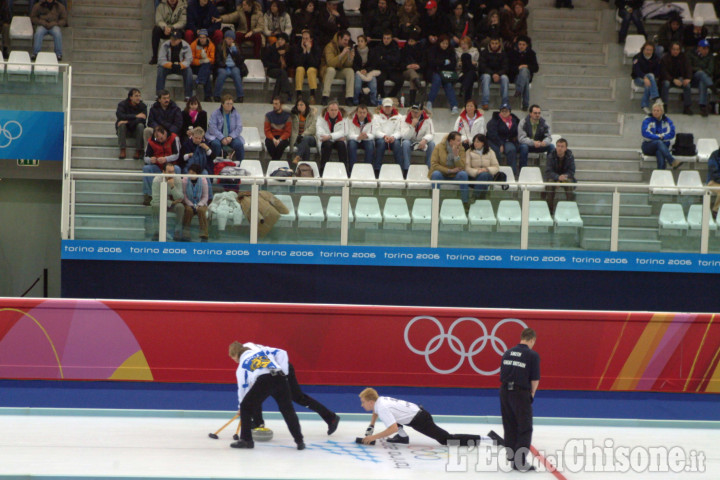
(12, 130)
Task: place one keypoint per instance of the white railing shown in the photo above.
(65, 216)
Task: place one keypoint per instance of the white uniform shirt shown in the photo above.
(259, 360)
(391, 410)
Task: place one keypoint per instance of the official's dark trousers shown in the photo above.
(517, 418)
(326, 149)
(423, 423)
(265, 386)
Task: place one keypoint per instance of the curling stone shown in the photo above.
(262, 434)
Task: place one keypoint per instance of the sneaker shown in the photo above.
(647, 110)
(485, 106)
(300, 445)
(454, 110)
(677, 165)
(243, 444)
(33, 57)
(349, 102)
(146, 200)
(332, 426)
(153, 61)
(239, 99)
(428, 106)
(704, 110)
(122, 154)
(687, 111)
(497, 439)
(324, 101)
(398, 439)
(138, 154)
(59, 58)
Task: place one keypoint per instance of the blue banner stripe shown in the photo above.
(26, 135)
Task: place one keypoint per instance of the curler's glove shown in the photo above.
(370, 430)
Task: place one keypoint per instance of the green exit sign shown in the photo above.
(28, 162)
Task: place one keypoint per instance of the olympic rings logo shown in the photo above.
(457, 346)
(12, 130)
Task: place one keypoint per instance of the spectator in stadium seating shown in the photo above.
(175, 57)
(488, 29)
(630, 11)
(514, 23)
(468, 58)
(481, 165)
(195, 190)
(533, 135)
(331, 132)
(469, 123)
(502, 133)
(225, 6)
(522, 62)
(646, 73)
(202, 14)
(170, 15)
(162, 148)
(675, 71)
(248, 21)
(5, 19)
(361, 134)
(277, 60)
(131, 115)
(48, 16)
(203, 52)
(331, 21)
(174, 202)
(387, 60)
(307, 59)
(366, 73)
(448, 163)
(225, 129)
(278, 129)
(657, 132)
(713, 179)
(379, 20)
(166, 113)
(671, 31)
(32, 3)
(703, 68)
(305, 18)
(564, 4)
(695, 32)
(408, 21)
(196, 150)
(433, 24)
(481, 9)
(417, 132)
(229, 63)
(193, 116)
(461, 25)
(276, 21)
(338, 58)
(559, 168)
(413, 62)
(442, 72)
(388, 129)
(304, 124)
(493, 68)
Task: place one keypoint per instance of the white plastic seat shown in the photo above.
(256, 72)
(310, 212)
(452, 215)
(685, 13)
(539, 218)
(396, 215)
(254, 168)
(334, 212)
(391, 176)
(705, 148)
(355, 32)
(418, 177)
(663, 183)
(274, 165)
(567, 216)
(46, 67)
(512, 184)
(672, 219)
(532, 175)
(334, 174)
(286, 219)
(21, 28)
(707, 12)
(481, 216)
(2, 65)
(633, 44)
(694, 220)
(367, 213)
(509, 216)
(421, 214)
(251, 136)
(307, 181)
(690, 183)
(19, 66)
(362, 176)
(351, 5)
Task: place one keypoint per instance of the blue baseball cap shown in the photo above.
(703, 43)
(505, 105)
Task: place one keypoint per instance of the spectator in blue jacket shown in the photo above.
(502, 133)
(713, 179)
(203, 14)
(657, 131)
(224, 130)
(645, 73)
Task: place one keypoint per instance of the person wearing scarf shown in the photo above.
(417, 134)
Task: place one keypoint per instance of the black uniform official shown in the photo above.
(519, 374)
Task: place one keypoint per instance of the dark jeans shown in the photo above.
(468, 80)
(326, 149)
(550, 195)
(276, 152)
(393, 76)
(304, 145)
(278, 387)
(423, 423)
(157, 34)
(635, 17)
(517, 418)
(282, 82)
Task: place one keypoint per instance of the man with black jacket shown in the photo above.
(433, 24)
(493, 67)
(560, 168)
(386, 56)
(523, 65)
(379, 20)
(502, 135)
(5, 19)
(277, 59)
(131, 116)
(331, 20)
(412, 62)
(164, 112)
(675, 71)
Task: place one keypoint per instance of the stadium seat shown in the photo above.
(421, 214)
(367, 213)
(256, 72)
(567, 217)
(672, 219)
(706, 11)
(663, 183)
(509, 216)
(19, 67)
(286, 219)
(362, 176)
(512, 184)
(481, 216)
(2, 66)
(354, 33)
(46, 68)
(689, 183)
(254, 167)
(21, 28)
(334, 175)
(539, 219)
(694, 220)
(251, 135)
(391, 176)
(633, 44)
(310, 212)
(418, 177)
(307, 183)
(274, 165)
(351, 6)
(705, 148)
(452, 215)
(334, 211)
(396, 215)
(532, 175)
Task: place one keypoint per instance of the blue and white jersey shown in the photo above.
(259, 360)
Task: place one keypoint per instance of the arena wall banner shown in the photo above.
(356, 345)
(31, 135)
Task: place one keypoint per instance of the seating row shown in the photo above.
(663, 183)
(20, 68)
(705, 148)
(704, 10)
(672, 221)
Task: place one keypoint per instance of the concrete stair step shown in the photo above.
(100, 21)
(566, 24)
(549, 47)
(133, 31)
(89, 126)
(95, 114)
(108, 67)
(577, 81)
(94, 233)
(601, 164)
(564, 14)
(624, 233)
(599, 128)
(80, 152)
(629, 210)
(112, 163)
(623, 245)
(107, 209)
(609, 176)
(117, 92)
(95, 102)
(547, 59)
(116, 198)
(102, 10)
(106, 56)
(110, 221)
(89, 140)
(605, 153)
(579, 5)
(108, 3)
(576, 116)
(116, 185)
(585, 93)
(632, 222)
(81, 45)
(106, 79)
(567, 36)
(605, 198)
